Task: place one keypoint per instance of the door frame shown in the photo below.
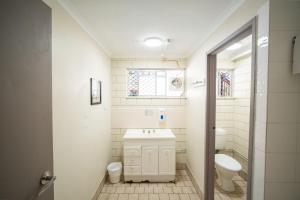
(247, 29)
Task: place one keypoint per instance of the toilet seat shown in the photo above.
(227, 162)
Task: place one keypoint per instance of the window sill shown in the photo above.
(153, 97)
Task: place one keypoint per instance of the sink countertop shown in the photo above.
(154, 134)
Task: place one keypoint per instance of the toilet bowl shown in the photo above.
(226, 167)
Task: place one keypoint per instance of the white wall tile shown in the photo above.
(282, 190)
(115, 101)
(298, 167)
(283, 104)
(280, 167)
(144, 102)
(282, 138)
(285, 15)
(283, 107)
(281, 78)
(298, 137)
(281, 45)
(130, 112)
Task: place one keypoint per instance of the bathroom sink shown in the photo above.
(149, 134)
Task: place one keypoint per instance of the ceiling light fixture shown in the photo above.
(234, 46)
(153, 42)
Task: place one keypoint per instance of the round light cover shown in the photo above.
(153, 42)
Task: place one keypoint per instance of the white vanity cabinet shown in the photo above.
(149, 156)
(150, 160)
(167, 160)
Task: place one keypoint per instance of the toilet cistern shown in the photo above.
(221, 135)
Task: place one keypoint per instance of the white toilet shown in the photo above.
(226, 166)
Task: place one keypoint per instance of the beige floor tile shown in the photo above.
(193, 189)
(133, 196)
(153, 197)
(158, 190)
(148, 189)
(217, 197)
(104, 189)
(237, 197)
(240, 183)
(135, 184)
(123, 197)
(103, 196)
(181, 190)
(139, 190)
(126, 184)
(170, 184)
(163, 196)
(120, 190)
(237, 178)
(188, 183)
(111, 190)
(113, 197)
(224, 196)
(182, 172)
(145, 184)
(184, 197)
(177, 190)
(129, 190)
(168, 189)
(179, 183)
(187, 190)
(143, 196)
(194, 196)
(174, 197)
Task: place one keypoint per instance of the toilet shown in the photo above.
(226, 166)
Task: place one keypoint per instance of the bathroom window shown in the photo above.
(155, 83)
(224, 83)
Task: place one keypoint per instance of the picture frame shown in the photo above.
(95, 90)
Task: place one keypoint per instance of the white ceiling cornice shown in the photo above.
(71, 10)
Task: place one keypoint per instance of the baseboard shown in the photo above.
(196, 186)
(100, 187)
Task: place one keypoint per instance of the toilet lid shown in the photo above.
(227, 162)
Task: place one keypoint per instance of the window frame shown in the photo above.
(183, 96)
(231, 81)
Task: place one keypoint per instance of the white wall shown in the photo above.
(196, 103)
(241, 93)
(81, 132)
(283, 123)
(225, 119)
(130, 112)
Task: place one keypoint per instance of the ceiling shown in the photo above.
(231, 55)
(120, 26)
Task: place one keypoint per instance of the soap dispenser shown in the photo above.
(162, 114)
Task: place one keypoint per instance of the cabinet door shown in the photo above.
(150, 160)
(167, 160)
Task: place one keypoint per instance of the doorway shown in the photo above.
(231, 68)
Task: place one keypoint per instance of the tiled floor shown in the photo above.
(183, 189)
(240, 192)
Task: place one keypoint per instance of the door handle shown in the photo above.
(46, 181)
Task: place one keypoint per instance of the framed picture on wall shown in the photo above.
(95, 86)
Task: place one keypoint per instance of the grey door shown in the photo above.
(25, 99)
